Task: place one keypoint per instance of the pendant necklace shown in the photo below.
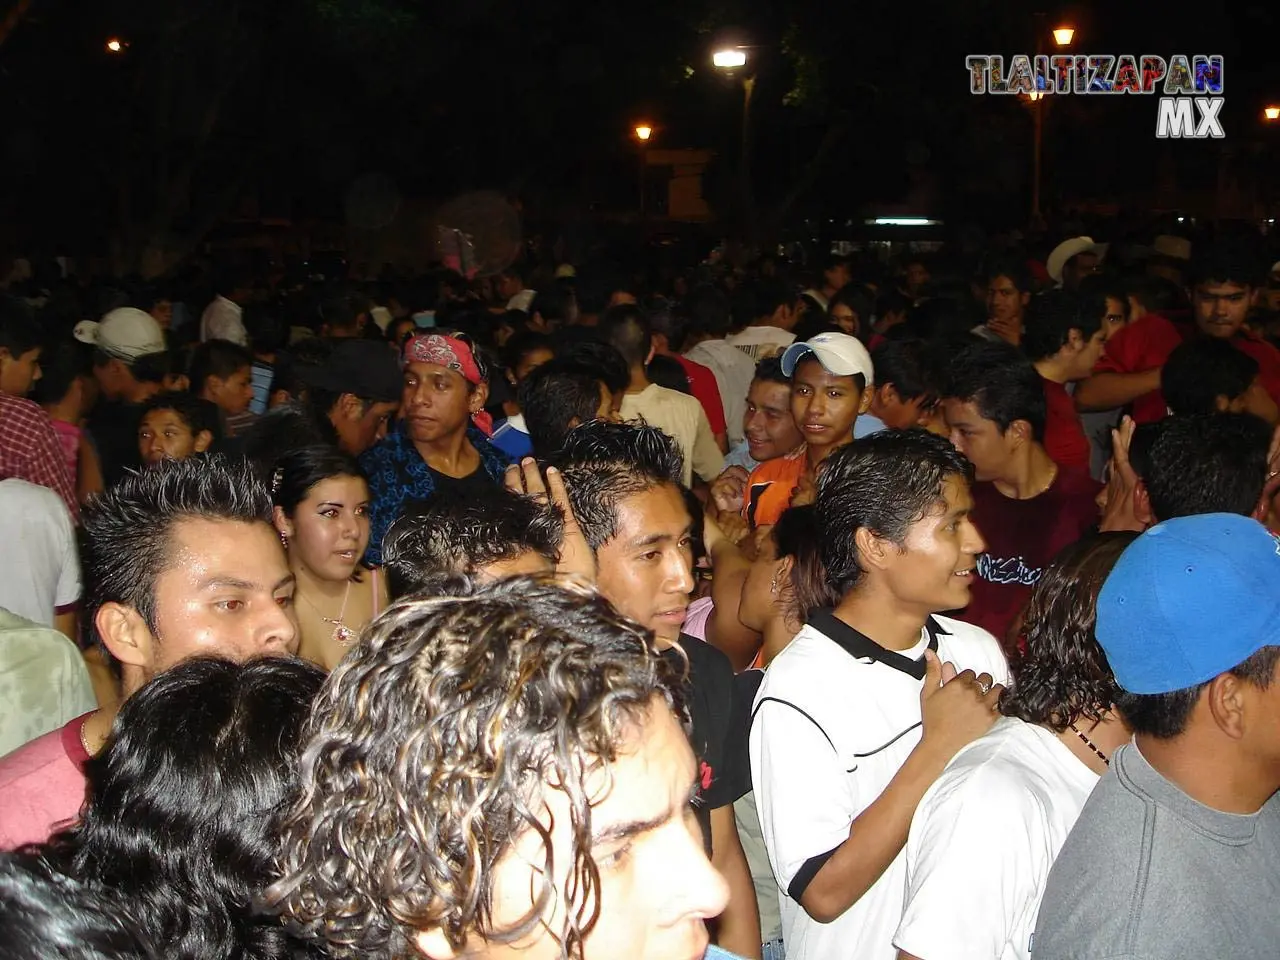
(342, 634)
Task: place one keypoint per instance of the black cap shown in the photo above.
(368, 369)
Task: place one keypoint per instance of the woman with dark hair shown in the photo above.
(178, 835)
(787, 581)
(321, 510)
(986, 833)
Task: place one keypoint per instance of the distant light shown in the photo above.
(902, 222)
(644, 132)
(728, 59)
(1062, 35)
(115, 45)
(1181, 219)
(1035, 95)
(1272, 113)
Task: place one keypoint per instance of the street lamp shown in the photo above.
(1062, 36)
(1271, 113)
(115, 45)
(643, 132)
(729, 59)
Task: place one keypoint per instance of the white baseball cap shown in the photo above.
(838, 353)
(126, 334)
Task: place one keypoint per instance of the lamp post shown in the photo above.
(1271, 113)
(115, 45)
(643, 132)
(729, 60)
(1062, 36)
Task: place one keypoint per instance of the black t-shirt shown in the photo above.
(461, 486)
(114, 428)
(719, 719)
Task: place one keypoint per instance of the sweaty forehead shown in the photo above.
(428, 370)
(658, 511)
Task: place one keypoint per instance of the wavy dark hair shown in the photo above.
(409, 798)
(798, 535)
(45, 914)
(1063, 676)
(182, 809)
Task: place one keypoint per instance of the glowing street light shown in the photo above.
(729, 59)
(643, 132)
(115, 45)
(1062, 35)
(1272, 113)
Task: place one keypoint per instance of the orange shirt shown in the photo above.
(770, 487)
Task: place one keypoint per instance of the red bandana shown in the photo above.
(452, 354)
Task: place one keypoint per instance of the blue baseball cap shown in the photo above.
(1189, 599)
(838, 353)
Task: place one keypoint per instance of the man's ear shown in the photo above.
(1022, 432)
(350, 407)
(434, 944)
(865, 405)
(1026, 299)
(125, 635)
(203, 439)
(872, 550)
(479, 397)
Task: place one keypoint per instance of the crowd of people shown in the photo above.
(880, 611)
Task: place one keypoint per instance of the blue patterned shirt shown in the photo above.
(398, 475)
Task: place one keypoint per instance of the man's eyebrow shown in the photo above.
(633, 828)
(235, 583)
(656, 538)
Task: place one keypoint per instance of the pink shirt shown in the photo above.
(42, 786)
(69, 438)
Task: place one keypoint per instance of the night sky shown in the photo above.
(290, 102)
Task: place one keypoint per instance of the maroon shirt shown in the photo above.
(1023, 537)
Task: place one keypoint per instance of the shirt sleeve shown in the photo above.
(967, 888)
(68, 590)
(804, 796)
(709, 395)
(708, 461)
(48, 467)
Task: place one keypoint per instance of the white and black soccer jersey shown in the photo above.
(834, 720)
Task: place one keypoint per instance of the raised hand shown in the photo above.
(576, 556)
(955, 708)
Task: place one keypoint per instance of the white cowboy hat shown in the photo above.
(1065, 251)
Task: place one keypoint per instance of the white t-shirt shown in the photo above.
(983, 840)
(733, 371)
(682, 418)
(223, 320)
(39, 566)
(835, 718)
(760, 342)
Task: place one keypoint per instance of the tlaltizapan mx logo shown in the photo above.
(1189, 88)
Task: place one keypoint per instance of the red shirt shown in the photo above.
(1064, 437)
(1023, 537)
(31, 451)
(705, 390)
(1147, 342)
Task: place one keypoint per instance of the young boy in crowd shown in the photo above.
(1211, 376)
(906, 391)
(523, 354)
(1027, 507)
(222, 373)
(861, 712)
(829, 375)
(175, 426)
(1064, 339)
